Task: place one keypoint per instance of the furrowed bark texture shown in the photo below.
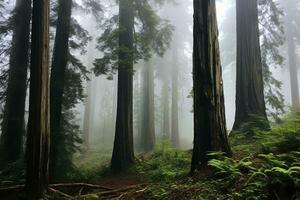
(57, 82)
(123, 155)
(249, 78)
(38, 124)
(209, 111)
(13, 121)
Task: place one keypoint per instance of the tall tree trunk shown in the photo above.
(250, 102)
(123, 154)
(138, 106)
(38, 124)
(57, 82)
(166, 109)
(293, 67)
(174, 126)
(13, 122)
(209, 111)
(88, 101)
(148, 126)
(87, 115)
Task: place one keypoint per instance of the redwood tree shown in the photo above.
(174, 115)
(250, 102)
(148, 122)
(123, 154)
(293, 68)
(38, 124)
(13, 121)
(209, 111)
(291, 21)
(140, 32)
(57, 82)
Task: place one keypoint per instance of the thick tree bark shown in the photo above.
(209, 111)
(174, 126)
(123, 154)
(249, 79)
(148, 123)
(38, 124)
(13, 121)
(57, 82)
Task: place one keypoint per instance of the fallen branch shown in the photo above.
(142, 190)
(79, 185)
(22, 187)
(128, 193)
(122, 195)
(116, 191)
(80, 191)
(60, 193)
(12, 188)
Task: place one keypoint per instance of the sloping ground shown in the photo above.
(265, 165)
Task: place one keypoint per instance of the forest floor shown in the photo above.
(265, 165)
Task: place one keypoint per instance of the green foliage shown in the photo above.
(276, 176)
(6, 25)
(260, 169)
(272, 38)
(164, 164)
(266, 172)
(75, 77)
(151, 35)
(230, 170)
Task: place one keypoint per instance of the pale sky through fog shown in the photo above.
(220, 9)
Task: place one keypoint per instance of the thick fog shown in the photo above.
(102, 93)
(97, 114)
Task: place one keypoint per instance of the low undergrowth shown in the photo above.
(265, 165)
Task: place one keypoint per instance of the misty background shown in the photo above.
(98, 118)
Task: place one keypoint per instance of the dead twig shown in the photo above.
(121, 196)
(60, 193)
(142, 190)
(116, 191)
(80, 191)
(12, 188)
